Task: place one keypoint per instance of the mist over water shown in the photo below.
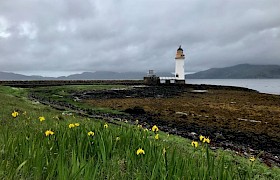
(270, 86)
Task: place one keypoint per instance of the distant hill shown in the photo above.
(7, 76)
(109, 75)
(241, 71)
(98, 75)
(103, 75)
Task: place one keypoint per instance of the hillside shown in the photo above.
(13, 76)
(8, 76)
(103, 75)
(98, 75)
(241, 71)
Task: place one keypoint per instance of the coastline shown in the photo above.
(236, 118)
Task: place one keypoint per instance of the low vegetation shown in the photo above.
(38, 142)
(63, 94)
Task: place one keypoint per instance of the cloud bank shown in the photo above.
(50, 36)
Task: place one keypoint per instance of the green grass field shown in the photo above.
(43, 143)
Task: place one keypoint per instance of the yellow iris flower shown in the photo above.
(252, 159)
(49, 132)
(41, 118)
(201, 138)
(207, 140)
(15, 114)
(90, 133)
(77, 124)
(195, 144)
(156, 136)
(106, 125)
(155, 128)
(140, 151)
(71, 126)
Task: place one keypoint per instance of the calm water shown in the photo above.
(270, 86)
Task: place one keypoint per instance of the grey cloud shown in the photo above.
(70, 35)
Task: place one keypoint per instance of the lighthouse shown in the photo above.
(179, 67)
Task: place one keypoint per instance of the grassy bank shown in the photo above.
(37, 142)
(63, 94)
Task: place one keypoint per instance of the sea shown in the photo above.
(269, 86)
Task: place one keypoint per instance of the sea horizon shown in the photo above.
(268, 86)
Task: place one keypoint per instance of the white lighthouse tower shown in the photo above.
(179, 67)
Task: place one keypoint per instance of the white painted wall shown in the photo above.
(180, 69)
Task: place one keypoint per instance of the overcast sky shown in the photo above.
(56, 37)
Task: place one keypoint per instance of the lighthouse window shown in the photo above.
(177, 75)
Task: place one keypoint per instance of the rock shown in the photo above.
(135, 110)
(193, 135)
(219, 136)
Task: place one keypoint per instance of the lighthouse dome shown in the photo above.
(180, 53)
(180, 48)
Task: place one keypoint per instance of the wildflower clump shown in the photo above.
(195, 144)
(155, 128)
(140, 151)
(15, 114)
(49, 132)
(72, 125)
(90, 133)
(42, 118)
(118, 138)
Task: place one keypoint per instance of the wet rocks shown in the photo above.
(136, 92)
(135, 110)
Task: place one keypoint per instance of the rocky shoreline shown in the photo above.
(198, 115)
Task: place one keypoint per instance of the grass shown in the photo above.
(63, 94)
(70, 153)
